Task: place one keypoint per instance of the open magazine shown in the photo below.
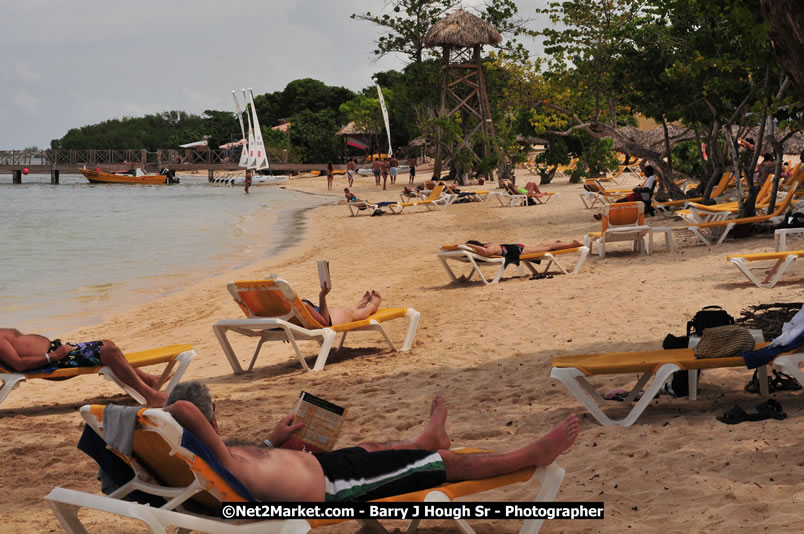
(322, 424)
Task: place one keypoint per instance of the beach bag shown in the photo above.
(679, 385)
(708, 317)
(792, 220)
(724, 341)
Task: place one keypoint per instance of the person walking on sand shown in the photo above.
(330, 175)
(351, 165)
(247, 181)
(412, 165)
(376, 167)
(384, 175)
(419, 463)
(393, 168)
(25, 352)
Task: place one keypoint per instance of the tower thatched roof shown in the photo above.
(462, 29)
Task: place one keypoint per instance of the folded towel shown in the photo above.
(118, 427)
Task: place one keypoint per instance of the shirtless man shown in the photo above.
(350, 171)
(425, 461)
(24, 352)
(376, 168)
(495, 249)
(328, 316)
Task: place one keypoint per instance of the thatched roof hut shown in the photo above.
(654, 139)
(351, 129)
(462, 29)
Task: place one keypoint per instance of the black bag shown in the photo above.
(792, 220)
(679, 385)
(708, 317)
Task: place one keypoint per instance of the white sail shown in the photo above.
(385, 117)
(244, 152)
(260, 157)
(252, 160)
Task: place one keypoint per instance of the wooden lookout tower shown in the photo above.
(463, 88)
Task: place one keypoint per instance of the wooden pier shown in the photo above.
(56, 162)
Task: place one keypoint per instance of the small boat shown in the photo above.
(100, 177)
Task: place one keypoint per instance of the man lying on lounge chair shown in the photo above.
(25, 352)
(423, 461)
(512, 252)
(332, 315)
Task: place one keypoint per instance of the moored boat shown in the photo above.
(100, 177)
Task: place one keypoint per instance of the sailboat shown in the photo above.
(244, 152)
(260, 158)
(251, 161)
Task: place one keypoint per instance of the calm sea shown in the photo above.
(74, 253)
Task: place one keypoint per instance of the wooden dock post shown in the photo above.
(210, 174)
(16, 177)
(54, 176)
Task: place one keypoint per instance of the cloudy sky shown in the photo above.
(69, 64)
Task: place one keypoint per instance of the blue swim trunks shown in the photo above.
(86, 354)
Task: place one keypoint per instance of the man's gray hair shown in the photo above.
(195, 392)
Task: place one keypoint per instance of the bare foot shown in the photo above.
(157, 400)
(546, 449)
(152, 381)
(434, 436)
(365, 300)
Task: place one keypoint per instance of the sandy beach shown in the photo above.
(486, 349)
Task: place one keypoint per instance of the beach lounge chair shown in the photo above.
(170, 462)
(433, 200)
(714, 233)
(781, 261)
(170, 355)
(275, 313)
(699, 213)
(573, 371)
(720, 188)
(361, 207)
(595, 194)
(509, 200)
(465, 254)
(623, 221)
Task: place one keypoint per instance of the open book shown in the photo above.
(322, 424)
(323, 272)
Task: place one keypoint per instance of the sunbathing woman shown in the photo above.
(495, 249)
(328, 316)
(531, 189)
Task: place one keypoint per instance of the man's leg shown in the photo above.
(539, 453)
(112, 356)
(432, 438)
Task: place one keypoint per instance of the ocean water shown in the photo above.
(76, 252)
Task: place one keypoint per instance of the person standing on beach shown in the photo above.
(247, 182)
(330, 175)
(393, 167)
(412, 165)
(351, 165)
(376, 167)
(384, 175)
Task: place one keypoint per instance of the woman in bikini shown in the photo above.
(329, 316)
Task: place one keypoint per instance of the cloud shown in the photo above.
(196, 100)
(27, 102)
(24, 71)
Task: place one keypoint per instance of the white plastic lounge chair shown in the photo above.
(433, 200)
(573, 371)
(276, 313)
(507, 200)
(170, 355)
(464, 254)
(361, 207)
(781, 261)
(624, 221)
(169, 461)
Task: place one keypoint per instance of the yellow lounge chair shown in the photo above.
(719, 189)
(465, 254)
(720, 229)
(572, 371)
(595, 194)
(276, 313)
(781, 261)
(509, 200)
(699, 213)
(624, 221)
(433, 200)
(170, 462)
(170, 355)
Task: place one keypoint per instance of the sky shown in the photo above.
(70, 64)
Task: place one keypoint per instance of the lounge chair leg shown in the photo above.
(323, 353)
(184, 360)
(256, 353)
(10, 381)
(413, 323)
(220, 333)
(67, 514)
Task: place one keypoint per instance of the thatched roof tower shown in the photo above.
(461, 29)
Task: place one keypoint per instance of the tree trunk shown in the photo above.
(787, 36)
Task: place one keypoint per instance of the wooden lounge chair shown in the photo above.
(275, 313)
(624, 221)
(714, 233)
(170, 462)
(781, 261)
(573, 371)
(465, 254)
(169, 355)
